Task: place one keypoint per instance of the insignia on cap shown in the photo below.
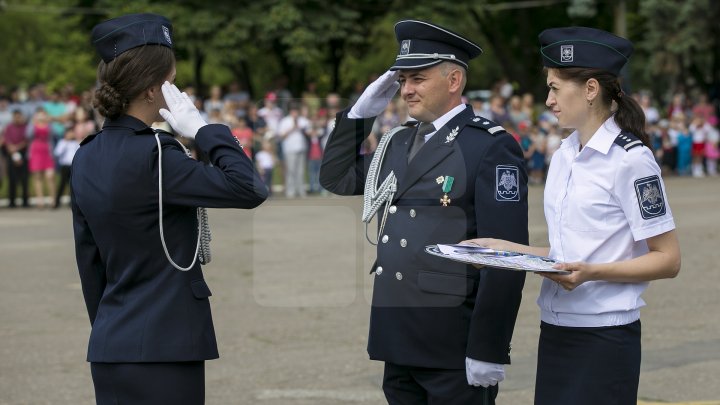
(566, 53)
(650, 197)
(166, 31)
(507, 183)
(405, 47)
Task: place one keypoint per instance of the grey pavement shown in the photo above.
(291, 301)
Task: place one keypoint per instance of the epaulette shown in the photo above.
(409, 124)
(486, 124)
(628, 140)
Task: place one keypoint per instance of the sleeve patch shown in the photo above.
(650, 197)
(507, 183)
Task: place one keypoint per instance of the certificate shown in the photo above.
(495, 258)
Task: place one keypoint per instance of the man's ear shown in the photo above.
(455, 78)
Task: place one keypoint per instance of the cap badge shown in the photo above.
(566, 53)
(405, 47)
(166, 31)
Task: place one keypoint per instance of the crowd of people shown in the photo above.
(40, 131)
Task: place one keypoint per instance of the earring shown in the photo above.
(590, 103)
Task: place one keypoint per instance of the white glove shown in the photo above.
(376, 97)
(483, 373)
(183, 117)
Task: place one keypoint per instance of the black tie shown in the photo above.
(423, 129)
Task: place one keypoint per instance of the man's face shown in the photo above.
(426, 93)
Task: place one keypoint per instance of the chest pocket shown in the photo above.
(586, 208)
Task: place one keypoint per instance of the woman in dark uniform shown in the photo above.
(135, 199)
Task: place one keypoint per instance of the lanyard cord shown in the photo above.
(375, 196)
(202, 248)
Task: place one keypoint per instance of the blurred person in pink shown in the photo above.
(14, 148)
(705, 110)
(41, 163)
(243, 134)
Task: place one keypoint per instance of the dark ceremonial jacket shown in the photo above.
(428, 311)
(141, 308)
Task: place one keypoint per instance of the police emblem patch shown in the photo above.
(650, 197)
(507, 183)
(566, 53)
(405, 47)
(166, 31)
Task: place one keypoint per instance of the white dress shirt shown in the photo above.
(601, 203)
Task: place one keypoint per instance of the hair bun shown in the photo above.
(109, 102)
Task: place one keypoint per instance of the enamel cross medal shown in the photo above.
(446, 187)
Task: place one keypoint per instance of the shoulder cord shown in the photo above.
(375, 196)
(202, 248)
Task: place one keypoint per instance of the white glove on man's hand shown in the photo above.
(483, 373)
(376, 97)
(183, 117)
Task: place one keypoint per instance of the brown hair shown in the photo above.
(132, 72)
(629, 116)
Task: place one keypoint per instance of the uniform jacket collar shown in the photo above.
(128, 121)
(435, 150)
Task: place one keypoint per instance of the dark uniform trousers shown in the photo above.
(428, 313)
(404, 385)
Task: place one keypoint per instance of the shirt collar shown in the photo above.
(601, 140)
(440, 122)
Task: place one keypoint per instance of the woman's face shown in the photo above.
(566, 100)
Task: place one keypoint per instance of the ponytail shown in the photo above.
(629, 116)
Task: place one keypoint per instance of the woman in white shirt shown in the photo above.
(608, 223)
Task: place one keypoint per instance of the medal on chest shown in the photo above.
(447, 183)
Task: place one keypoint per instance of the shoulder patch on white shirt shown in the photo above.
(650, 197)
(507, 183)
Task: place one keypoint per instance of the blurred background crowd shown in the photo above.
(285, 133)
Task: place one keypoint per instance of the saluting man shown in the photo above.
(442, 328)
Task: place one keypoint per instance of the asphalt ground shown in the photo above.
(290, 302)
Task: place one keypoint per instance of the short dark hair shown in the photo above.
(132, 72)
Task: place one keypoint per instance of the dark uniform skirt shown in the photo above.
(181, 383)
(588, 366)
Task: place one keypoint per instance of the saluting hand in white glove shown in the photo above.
(182, 116)
(376, 96)
(481, 373)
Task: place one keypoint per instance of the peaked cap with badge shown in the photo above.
(584, 47)
(423, 44)
(115, 36)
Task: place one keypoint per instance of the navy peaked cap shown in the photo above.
(113, 37)
(423, 44)
(584, 47)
